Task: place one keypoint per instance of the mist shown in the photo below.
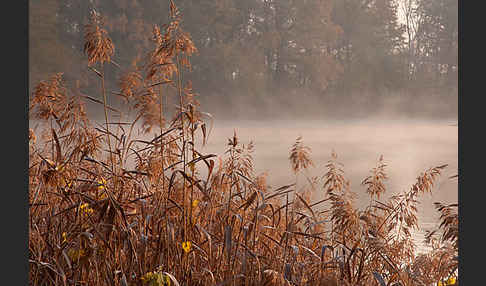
(361, 82)
(271, 59)
(301, 106)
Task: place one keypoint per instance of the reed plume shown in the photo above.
(167, 213)
(98, 46)
(374, 183)
(300, 156)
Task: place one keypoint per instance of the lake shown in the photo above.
(409, 147)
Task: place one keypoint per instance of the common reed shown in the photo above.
(143, 212)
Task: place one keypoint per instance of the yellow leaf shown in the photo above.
(186, 245)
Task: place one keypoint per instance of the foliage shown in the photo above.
(144, 213)
(252, 50)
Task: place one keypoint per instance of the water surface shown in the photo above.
(409, 147)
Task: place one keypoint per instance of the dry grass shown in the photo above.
(94, 220)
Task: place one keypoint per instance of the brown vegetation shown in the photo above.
(95, 220)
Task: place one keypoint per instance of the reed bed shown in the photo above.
(107, 207)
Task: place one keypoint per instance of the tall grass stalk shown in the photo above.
(95, 224)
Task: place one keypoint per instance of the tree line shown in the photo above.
(262, 48)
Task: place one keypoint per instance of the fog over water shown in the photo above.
(409, 147)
